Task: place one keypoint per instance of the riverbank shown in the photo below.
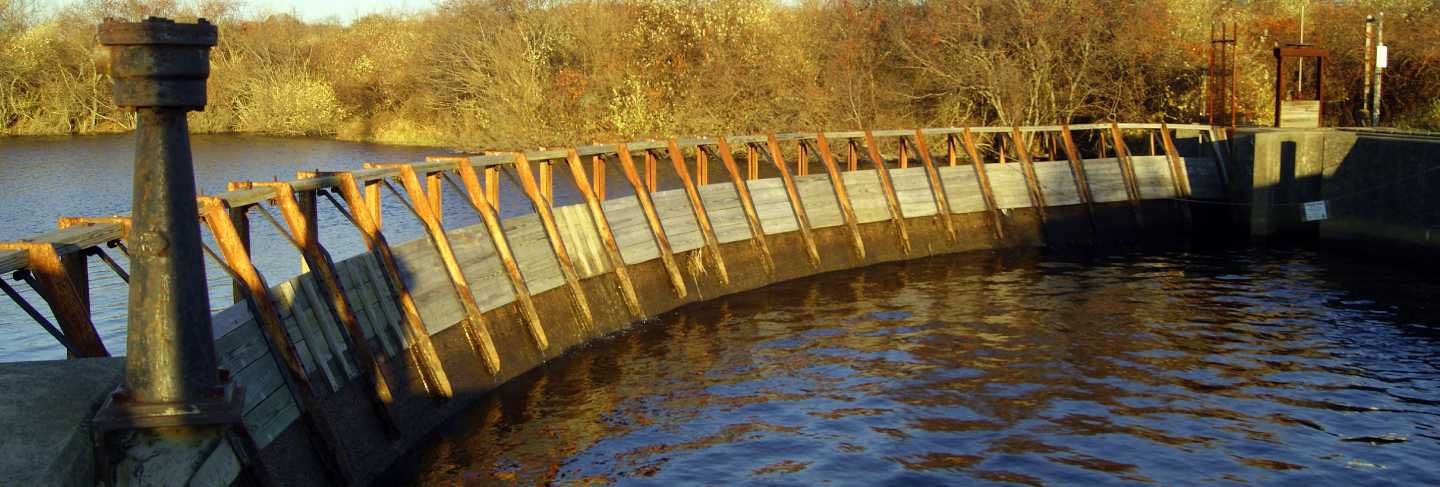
(395, 132)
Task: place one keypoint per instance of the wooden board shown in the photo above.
(866, 196)
(1008, 183)
(587, 250)
(1153, 177)
(912, 188)
(1057, 183)
(819, 198)
(631, 231)
(678, 220)
(722, 203)
(419, 266)
(772, 205)
(963, 189)
(1107, 184)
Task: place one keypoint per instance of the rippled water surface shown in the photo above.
(1237, 366)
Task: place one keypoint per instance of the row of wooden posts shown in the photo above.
(54, 267)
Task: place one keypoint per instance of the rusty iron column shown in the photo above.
(176, 409)
(159, 68)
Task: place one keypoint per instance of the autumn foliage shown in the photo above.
(515, 73)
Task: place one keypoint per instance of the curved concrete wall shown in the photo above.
(292, 453)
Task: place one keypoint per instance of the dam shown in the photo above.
(333, 375)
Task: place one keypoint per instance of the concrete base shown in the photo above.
(53, 448)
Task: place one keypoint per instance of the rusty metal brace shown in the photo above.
(34, 313)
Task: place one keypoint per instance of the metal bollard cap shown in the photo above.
(158, 62)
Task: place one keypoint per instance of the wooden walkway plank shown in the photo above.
(578, 300)
(662, 242)
(937, 186)
(702, 219)
(984, 181)
(896, 216)
(1127, 171)
(847, 209)
(742, 192)
(422, 349)
(305, 234)
(801, 218)
(475, 194)
(474, 325)
(607, 237)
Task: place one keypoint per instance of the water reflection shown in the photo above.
(1238, 366)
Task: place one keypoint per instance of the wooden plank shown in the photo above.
(217, 217)
(662, 242)
(1082, 185)
(607, 238)
(473, 322)
(492, 187)
(436, 191)
(649, 171)
(578, 300)
(432, 371)
(1032, 182)
(305, 234)
(1178, 176)
(702, 219)
(67, 302)
(12, 260)
(847, 209)
(963, 190)
(1127, 171)
(752, 163)
(367, 308)
(942, 202)
(802, 220)
(597, 166)
(702, 167)
(896, 217)
(802, 158)
(389, 322)
(242, 346)
(984, 181)
(747, 204)
(547, 182)
(307, 320)
(501, 245)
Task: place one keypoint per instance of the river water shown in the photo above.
(43, 178)
(1238, 366)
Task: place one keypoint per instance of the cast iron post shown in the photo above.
(159, 68)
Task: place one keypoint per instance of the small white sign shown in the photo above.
(1316, 211)
(1382, 56)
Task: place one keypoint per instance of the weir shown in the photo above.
(353, 362)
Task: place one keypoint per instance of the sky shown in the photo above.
(308, 10)
(344, 9)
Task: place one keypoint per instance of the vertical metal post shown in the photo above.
(1369, 68)
(1210, 81)
(160, 68)
(1379, 73)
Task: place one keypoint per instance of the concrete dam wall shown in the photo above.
(1376, 188)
